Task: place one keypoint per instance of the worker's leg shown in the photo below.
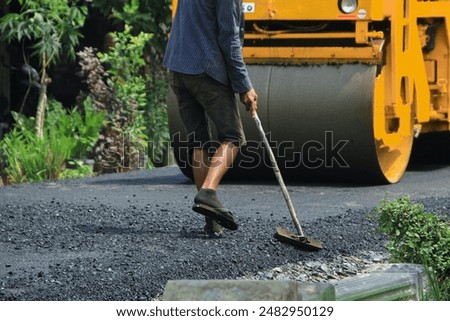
(200, 166)
(206, 200)
(220, 163)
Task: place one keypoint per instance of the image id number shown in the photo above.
(300, 311)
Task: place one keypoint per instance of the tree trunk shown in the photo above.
(40, 113)
(42, 101)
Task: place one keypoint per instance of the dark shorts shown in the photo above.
(201, 97)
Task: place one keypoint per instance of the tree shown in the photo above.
(50, 27)
(151, 17)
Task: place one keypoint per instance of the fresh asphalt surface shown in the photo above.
(123, 236)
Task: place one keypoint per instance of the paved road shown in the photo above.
(122, 236)
(171, 188)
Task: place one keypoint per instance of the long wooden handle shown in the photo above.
(278, 176)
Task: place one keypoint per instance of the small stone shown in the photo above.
(324, 268)
(312, 264)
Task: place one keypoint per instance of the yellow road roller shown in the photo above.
(344, 86)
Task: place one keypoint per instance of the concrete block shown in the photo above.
(247, 290)
(316, 292)
(383, 282)
(378, 287)
(230, 290)
(416, 270)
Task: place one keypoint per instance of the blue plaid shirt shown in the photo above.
(207, 37)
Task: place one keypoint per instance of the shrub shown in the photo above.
(67, 135)
(417, 236)
(77, 169)
(127, 80)
(133, 100)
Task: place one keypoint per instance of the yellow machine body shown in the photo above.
(401, 48)
(418, 79)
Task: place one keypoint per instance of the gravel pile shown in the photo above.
(70, 251)
(323, 270)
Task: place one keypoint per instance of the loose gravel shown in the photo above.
(62, 250)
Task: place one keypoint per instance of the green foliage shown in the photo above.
(77, 170)
(50, 25)
(29, 158)
(127, 79)
(416, 236)
(66, 135)
(415, 233)
(83, 128)
(149, 16)
(154, 17)
(123, 97)
(158, 124)
(142, 98)
(20, 159)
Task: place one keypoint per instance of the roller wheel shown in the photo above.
(325, 122)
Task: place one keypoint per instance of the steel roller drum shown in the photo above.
(319, 120)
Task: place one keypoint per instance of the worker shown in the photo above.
(206, 71)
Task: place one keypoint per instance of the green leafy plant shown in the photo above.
(151, 17)
(83, 127)
(77, 169)
(158, 124)
(67, 135)
(50, 27)
(417, 236)
(127, 79)
(30, 158)
(122, 89)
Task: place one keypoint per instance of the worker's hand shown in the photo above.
(250, 100)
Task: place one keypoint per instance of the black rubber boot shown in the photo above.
(208, 197)
(207, 204)
(212, 228)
